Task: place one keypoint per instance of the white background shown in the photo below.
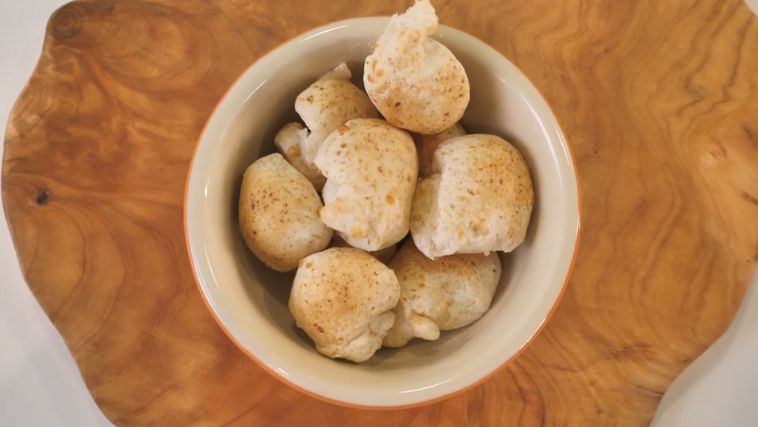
(41, 386)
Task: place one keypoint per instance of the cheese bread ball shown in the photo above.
(442, 294)
(343, 299)
(371, 169)
(323, 106)
(413, 80)
(279, 214)
(478, 198)
(426, 145)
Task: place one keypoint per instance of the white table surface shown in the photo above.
(41, 386)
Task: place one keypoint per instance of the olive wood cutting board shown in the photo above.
(658, 99)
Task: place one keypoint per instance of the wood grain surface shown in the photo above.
(659, 100)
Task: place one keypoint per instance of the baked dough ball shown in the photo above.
(415, 81)
(323, 106)
(343, 299)
(478, 198)
(279, 214)
(371, 169)
(440, 295)
(426, 145)
(384, 255)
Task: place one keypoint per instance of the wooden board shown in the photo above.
(659, 101)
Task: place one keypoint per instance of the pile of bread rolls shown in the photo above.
(387, 161)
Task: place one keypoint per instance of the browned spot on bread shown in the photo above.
(357, 233)
(293, 151)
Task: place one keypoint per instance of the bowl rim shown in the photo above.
(564, 286)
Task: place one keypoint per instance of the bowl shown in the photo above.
(249, 301)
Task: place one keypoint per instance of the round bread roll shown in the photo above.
(384, 255)
(371, 169)
(323, 106)
(478, 198)
(440, 295)
(279, 214)
(343, 299)
(415, 81)
(426, 145)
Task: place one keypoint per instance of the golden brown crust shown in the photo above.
(342, 298)
(413, 80)
(327, 104)
(371, 169)
(278, 214)
(478, 199)
(442, 294)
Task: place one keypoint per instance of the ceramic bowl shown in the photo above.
(249, 301)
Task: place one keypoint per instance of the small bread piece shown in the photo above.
(415, 81)
(371, 169)
(384, 255)
(426, 145)
(328, 103)
(290, 141)
(478, 198)
(325, 105)
(440, 295)
(343, 299)
(278, 214)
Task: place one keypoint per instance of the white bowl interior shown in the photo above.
(250, 301)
